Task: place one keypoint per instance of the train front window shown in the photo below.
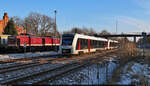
(67, 41)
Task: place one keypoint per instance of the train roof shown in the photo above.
(83, 36)
(87, 37)
(113, 41)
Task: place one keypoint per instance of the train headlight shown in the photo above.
(66, 50)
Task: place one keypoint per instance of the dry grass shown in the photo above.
(127, 53)
(129, 48)
(143, 81)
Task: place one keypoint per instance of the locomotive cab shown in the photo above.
(66, 44)
(3, 41)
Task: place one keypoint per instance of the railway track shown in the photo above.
(58, 72)
(23, 62)
(48, 73)
(19, 66)
(26, 58)
(32, 60)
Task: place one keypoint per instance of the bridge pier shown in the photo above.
(134, 39)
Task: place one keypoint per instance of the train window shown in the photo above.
(77, 44)
(3, 41)
(111, 44)
(101, 44)
(67, 41)
(81, 43)
(85, 44)
(106, 44)
(94, 45)
(97, 43)
(91, 43)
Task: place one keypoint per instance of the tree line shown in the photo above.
(87, 31)
(35, 23)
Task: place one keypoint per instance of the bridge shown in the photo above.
(142, 34)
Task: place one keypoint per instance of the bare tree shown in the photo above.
(91, 31)
(39, 24)
(84, 30)
(104, 32)
(18, 21)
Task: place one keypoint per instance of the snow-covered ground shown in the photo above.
(94, 74)
(23, 55)
(135, 73)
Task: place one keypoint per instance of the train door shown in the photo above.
(18, 42)
(110, 45)
(104, 45)
(88, 45)
(30, 44)
(43, 41)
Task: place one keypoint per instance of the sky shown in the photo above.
(132, 15)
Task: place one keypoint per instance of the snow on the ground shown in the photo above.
(94, 74)
(23, 55)
(134, 72)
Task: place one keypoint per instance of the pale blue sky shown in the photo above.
(132, 15)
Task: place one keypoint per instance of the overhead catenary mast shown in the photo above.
(116, 26)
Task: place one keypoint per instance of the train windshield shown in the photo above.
(67, 39)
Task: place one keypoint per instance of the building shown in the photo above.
(4, 22)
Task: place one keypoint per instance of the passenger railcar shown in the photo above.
(78, 43)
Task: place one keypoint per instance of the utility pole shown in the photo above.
(55, 11)
(144, 41)
(116, 26)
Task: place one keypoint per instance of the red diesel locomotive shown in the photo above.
(32, 43)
